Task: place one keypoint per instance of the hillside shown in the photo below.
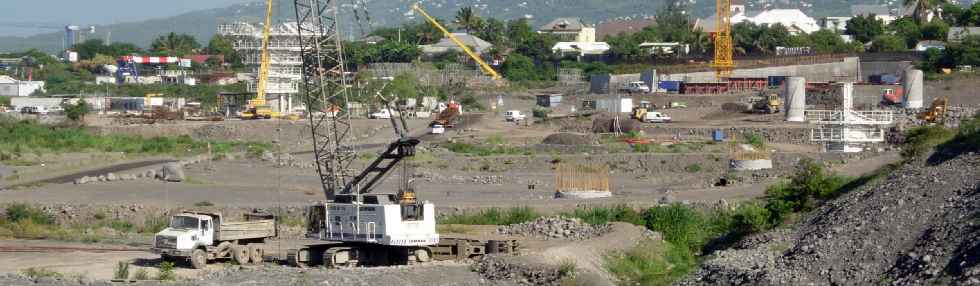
(916, 226)
(202, 24)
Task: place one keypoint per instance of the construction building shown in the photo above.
(285, 63)
(12, 87)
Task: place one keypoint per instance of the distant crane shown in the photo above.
(724, 62)
(259, 107)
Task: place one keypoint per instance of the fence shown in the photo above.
(582, 178)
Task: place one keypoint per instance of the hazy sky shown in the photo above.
(93, 12)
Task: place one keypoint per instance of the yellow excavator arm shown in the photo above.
(486, 68)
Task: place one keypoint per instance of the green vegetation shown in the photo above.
(204, 204)
(77, 111)
(19, 137)
(756, 140)
(567, 268)
(493, 216)
(809, 186)
(603, 215)
(25, 221)
(922, 139)
(672, 148)
(865, 28)
(141, 275)
(651, 263)
(40, 272)
(485, 149)
(693, 168)
(167, 272)
(122, 271)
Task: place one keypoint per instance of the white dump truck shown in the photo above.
(204, 236)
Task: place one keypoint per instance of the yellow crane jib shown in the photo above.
(724, 62)
(486, 68)
(258, 107)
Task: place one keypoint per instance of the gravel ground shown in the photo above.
(555, 228)
(918, 226)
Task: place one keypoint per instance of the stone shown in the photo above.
(172, 172)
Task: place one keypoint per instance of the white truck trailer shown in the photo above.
(204, 236)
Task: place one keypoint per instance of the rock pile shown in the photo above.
(498, 269)
(912, 228)
(555, 228)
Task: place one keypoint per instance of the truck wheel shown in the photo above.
(199, 259)
(166, 258)
(240, 254)
(422, 255)
(256, 254)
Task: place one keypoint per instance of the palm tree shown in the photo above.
(700, 42)
(924, 10)
(468, 20)
(174, 44)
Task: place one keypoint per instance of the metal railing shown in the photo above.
(847, 134)
(839, 117)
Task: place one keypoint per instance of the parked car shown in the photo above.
(438, 129)
(514, 115)
(41, 110)
(383, 114)
(635, 87)
(656, 117)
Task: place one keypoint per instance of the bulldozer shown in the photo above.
(640, 111)
(936, 113)
(769, 103)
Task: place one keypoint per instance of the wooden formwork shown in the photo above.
(581, 178)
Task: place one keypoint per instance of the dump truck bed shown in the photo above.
(240, 230)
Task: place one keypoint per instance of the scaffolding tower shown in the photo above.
(845, 129)
(285, 62)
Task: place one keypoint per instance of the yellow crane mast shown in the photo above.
(486, 68)
(258, 107)
(724, 61)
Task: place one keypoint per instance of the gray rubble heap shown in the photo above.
(917, 226)
(495, 268)
(555, 227)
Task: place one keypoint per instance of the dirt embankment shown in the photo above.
(917, 226)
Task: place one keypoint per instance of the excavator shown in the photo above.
(936, 112)
(258, 108)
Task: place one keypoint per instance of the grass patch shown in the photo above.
(292, 221)
(16, 135)
(922, 139)
(693, 168)
(40, 272)
(493, 216)
(651, 263)
(202, 204)
(603, 215)
(167, 271)
(122, 271)
(452, 228)
(686, 147)
(141, 274)
(485, 149)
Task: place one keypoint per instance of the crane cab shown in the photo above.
(373, 218)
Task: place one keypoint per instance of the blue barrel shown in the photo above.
(718, 135)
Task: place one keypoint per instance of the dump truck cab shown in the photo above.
(203, 236)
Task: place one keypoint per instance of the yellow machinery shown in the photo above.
(937, 112)
(770, 103)
(258, 107)
(724, 61)
(486, 68)
(640, 111)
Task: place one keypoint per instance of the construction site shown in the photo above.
(336, 180)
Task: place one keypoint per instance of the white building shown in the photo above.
(285, 66)
(12, 87)
(569, 30)
(837, 24)
(580, 48)
(793, 19)
(880, 12)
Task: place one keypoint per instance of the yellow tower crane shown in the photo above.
(486, 68)
(259, 107)
(724, 62)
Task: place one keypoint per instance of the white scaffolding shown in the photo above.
(846, 129)
(285, 62)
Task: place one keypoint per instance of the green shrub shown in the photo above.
(651, 263)
(809, 185)
(39, 272)
(493, 216)
(154, 224)
(167, 272)
(483, 150)
(122, 271)
(681, 225)
(567, 268)
(756, 140)
(751, 218)
(603, 215)
(921, 140)
(121, 225)
(541, 112)
(693, 168)
(20, 212)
